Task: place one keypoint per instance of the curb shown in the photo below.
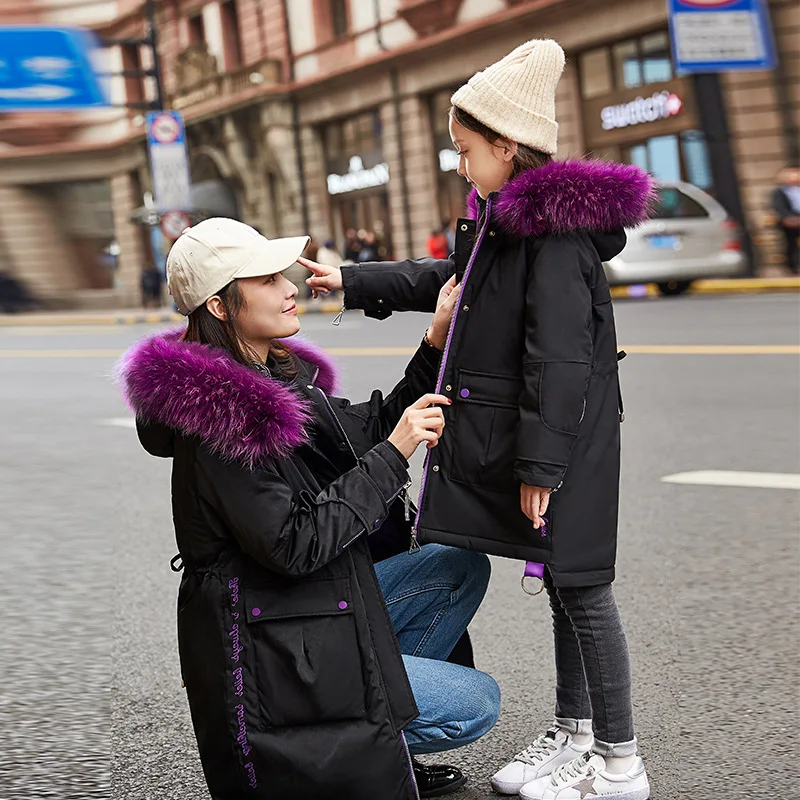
(167, 316)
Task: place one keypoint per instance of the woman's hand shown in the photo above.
(445, 307)
(421, 422)
(324, 280)
(534, 501)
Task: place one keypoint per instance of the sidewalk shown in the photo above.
(167, 315)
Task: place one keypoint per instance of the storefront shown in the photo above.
(451, 188)
(357, 177)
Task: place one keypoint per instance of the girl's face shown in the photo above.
(486, 166)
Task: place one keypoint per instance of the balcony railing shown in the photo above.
(197, 78)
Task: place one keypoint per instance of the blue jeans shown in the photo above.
(432, 595)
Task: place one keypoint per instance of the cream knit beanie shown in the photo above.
(517, 96)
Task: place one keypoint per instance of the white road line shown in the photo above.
(119, 422)
(748, 480)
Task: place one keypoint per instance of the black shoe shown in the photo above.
(434, 780)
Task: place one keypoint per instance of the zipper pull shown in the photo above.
(407, 502)
(338, 318)
(415, 548)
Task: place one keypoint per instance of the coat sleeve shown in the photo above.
(557, 361)
(387, 286)
(379, 415)
(297, 533)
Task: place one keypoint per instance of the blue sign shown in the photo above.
(169, 161)
(721, 35)
(44, 69)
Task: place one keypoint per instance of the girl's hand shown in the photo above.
(324, 280)
(534, 501)
(421, 422)
(445, 307)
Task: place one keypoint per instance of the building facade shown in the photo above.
(324, 115)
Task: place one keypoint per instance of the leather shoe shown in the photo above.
(435, 780)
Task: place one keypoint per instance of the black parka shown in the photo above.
(531, 365)
(294, 677)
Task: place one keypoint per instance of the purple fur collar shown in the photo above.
(200, 391)
(564, 196)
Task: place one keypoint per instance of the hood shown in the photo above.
(200, 391)
(564, 196)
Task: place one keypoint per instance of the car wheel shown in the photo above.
(673, 288)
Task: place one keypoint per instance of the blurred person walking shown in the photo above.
(283, 496)
(328, 254)
(528, 467)
(786, 205)
(437, 245)
(369, 248)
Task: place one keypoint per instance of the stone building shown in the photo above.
(323, 115)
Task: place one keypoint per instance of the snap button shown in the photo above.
(465, 308)
(491, 233)
(465, 393)
(256, 612)
(380, 302)
(342, 605)
(464, 227)
(448, 388)
(309, 386)
(436, 468)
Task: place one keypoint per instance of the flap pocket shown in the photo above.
(483, 388)
(308, 598)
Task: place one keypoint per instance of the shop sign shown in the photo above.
(660, 105)
(448, 159)
(358, 177)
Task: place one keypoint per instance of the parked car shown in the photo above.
(689, 237)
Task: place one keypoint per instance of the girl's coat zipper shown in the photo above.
(439, 382)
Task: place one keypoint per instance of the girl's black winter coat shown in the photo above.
(531, 365)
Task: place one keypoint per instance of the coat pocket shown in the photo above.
(308, 658)
(486, 425)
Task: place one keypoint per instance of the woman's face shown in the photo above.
(486, 166)
(268, 310)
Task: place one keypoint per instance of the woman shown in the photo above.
(293, 673)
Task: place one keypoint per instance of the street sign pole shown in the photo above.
(152, 41)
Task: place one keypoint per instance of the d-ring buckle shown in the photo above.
(541, 585)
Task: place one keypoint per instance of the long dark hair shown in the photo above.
(524, 159)
(205, 328)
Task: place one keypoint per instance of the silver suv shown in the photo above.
(689, 237)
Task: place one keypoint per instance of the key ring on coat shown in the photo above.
(533, 569)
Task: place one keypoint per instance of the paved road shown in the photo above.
(91, 704)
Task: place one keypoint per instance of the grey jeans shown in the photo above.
(593, 673)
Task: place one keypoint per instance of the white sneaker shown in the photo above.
(586, 777)
(550, 750)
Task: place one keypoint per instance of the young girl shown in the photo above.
(288, 653)
(533, 434)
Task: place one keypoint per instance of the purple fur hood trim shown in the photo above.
(200, 391)
(564, 196)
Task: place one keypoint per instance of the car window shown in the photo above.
(674, 204)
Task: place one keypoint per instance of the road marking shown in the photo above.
(119, 422)
(644, 349)
(747, 480)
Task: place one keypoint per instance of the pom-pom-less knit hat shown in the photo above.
(517, 95)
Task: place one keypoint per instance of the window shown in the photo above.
(197, 29)
(132, 63)
(634, 62)
(695, 158)
(596, 77)
(675, 158)
(339, 24)
(355, 136)
(231, 35)
(674, 204)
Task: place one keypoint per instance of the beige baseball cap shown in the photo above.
(209, 255)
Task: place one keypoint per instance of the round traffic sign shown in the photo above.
(165, 128)
(174, 223)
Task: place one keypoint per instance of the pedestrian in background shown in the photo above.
(328, 254)
(786, 205)
(352, 245)
(288, 653)
(437, 245)
(528, 466)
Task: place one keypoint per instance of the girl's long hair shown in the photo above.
(526, 158)
(205, 328)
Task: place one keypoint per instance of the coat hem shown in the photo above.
(489, 546)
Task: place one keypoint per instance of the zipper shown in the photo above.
(410, 766)
(338, 318)
(415, 547)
